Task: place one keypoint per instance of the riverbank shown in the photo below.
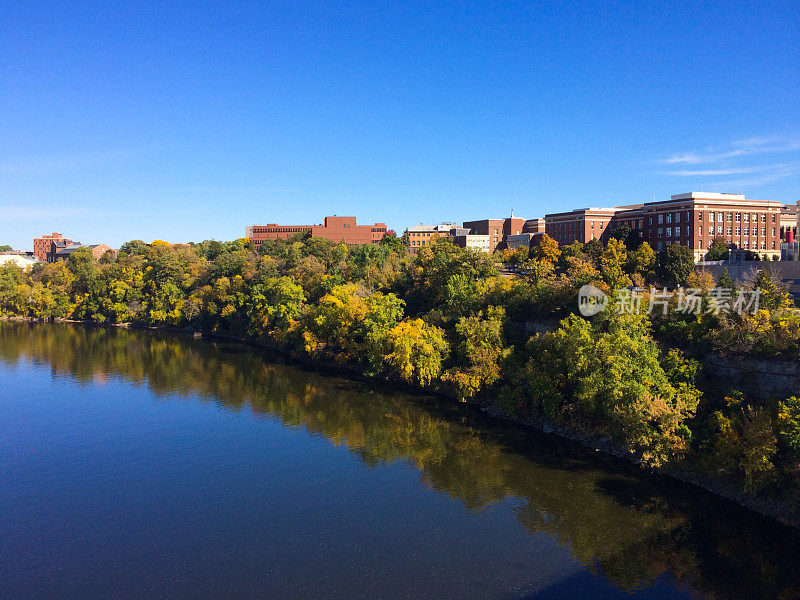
(780, 511)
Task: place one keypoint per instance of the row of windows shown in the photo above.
(746, 217)
(712, 230)
(668, 217)
(745, 245)
(712, 217)
(729, 230)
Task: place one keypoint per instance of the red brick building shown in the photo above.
(580, 225)
(533, 226)
(41, 245)
(693, 219)
(336, 229)
(496, 229)
(61, 251)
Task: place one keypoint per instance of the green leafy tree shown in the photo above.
(789, 428)
(612, 263)
(718, 250)
(608, 375)
(479, 352)
(642, 260)
(725, 280)
(674, 263)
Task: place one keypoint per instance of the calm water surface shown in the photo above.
(146, 465)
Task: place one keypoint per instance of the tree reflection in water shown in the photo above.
(621, 523)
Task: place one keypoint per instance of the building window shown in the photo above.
(650, 220)
(730, 231)
(660, 232)
(687, 215)
(687, 231)
(730, 217)
(773, 231)
(677, 217)
(763, 245)
(746, 245)
(746, 217)
(660, 219)
(700, 230)
(669, 231)
(711, 217)
(738, 231)
(660, 245)
(738, 217)
(700, 215)
(747, 231)
(763, 218)
(710, 230)
(719, 217)
(719, 229)
(669, 218)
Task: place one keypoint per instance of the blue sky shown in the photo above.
(188, 121)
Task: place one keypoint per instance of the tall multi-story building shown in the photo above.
(789, 222)
(533, 226)
(41, 245)
(335, 228)
(582, 224)
(496, 229)
(476, 241)
(420, 235)
(693, 219)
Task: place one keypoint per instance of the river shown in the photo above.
(140, 464)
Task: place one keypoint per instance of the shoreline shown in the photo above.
(766, 507)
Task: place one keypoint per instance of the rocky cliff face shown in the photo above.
(759, 378)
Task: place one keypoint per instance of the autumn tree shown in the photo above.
(546, 250)
(416, 351)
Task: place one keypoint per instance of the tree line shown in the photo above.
(447, 319)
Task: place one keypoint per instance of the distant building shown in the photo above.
(21, 259)
(523, 240)
(60, 251)
(582, 224)
(336, 229)
(483, 243)
(58, 245)
(41, 245)
(788, 222)
(534, 226)
(496, 229)
(693, 219)
(420, 235)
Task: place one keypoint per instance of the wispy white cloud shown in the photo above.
(767, 177)
(732, 164)
(740, 148)
(708, 172)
